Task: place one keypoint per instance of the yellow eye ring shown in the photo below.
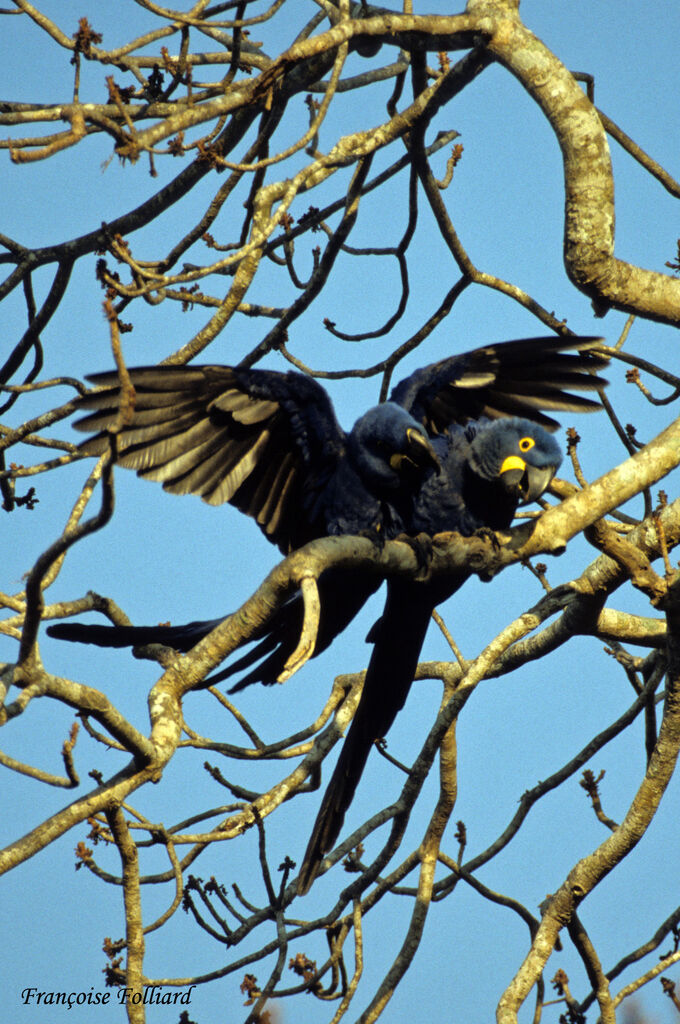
(526, 443)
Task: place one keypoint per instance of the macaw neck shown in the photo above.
(487, 500)
(368, 463)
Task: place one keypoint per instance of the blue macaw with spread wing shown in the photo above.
(458, 446)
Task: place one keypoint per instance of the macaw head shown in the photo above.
(390, 450)
(518, 454)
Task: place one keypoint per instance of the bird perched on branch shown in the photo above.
(458, 446)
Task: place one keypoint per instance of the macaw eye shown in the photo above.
(526, 443)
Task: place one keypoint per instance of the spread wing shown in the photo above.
(266, 442)
(512, 378)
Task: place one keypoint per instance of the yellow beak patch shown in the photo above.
(513, 462)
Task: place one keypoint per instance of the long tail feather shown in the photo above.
(342, 597)
(182, 638)
(398, 641)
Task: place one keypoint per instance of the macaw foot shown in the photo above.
(485, 533)
(421, 545)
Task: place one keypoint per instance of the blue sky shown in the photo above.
(164, 558)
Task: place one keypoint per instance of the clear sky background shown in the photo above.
(164, 558)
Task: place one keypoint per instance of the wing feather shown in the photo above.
(262, 440)
(512, 378)
(245, 408)
(283, 505)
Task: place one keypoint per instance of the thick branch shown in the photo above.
(589, 219)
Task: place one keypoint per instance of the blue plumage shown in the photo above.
(459, 446)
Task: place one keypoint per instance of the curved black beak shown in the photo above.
(527, 482)
(417, 455)
(420, 451)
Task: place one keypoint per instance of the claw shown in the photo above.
(375, 533)
(489, 534)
